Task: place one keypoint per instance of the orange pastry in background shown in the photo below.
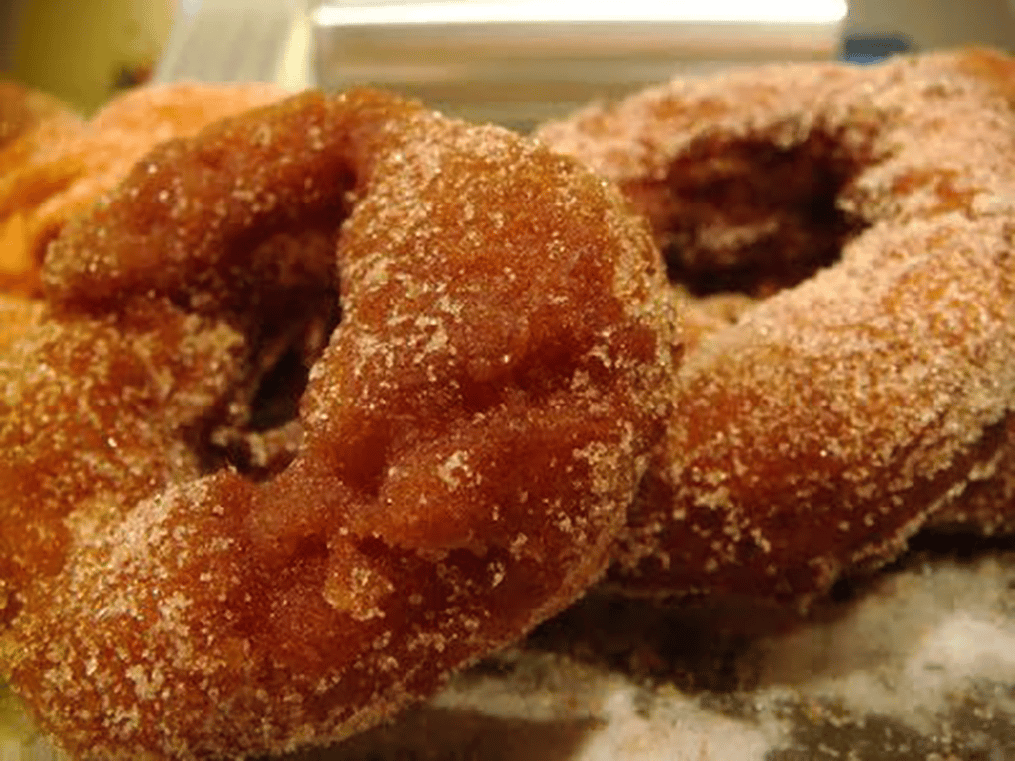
(30, 123)
(55, 166)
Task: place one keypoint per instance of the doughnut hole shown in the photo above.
(748, 215)
(258, 432)
(286, 306)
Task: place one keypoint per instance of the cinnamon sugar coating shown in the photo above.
(17, 316)
(486, 361)
(71, 163)
(857, 226)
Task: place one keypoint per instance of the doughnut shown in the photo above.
(29, 121)
(987, 505)
(71, 168)
(839, 241)
(340, 395)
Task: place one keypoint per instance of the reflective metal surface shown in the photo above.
(231, 40)
(518, 62)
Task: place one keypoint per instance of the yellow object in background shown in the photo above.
(19, 738)
(14, 257)
(84, 51)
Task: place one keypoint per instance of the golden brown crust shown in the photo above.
(828, 422)
(17, 316)
(471, 433)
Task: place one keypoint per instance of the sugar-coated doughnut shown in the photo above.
(842, 240)
(202, 559)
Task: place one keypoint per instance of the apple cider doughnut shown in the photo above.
(841, 238)
(209, 558)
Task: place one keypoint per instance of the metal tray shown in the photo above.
(519, 62)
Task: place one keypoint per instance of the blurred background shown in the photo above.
(82, 50)
(468, 57)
